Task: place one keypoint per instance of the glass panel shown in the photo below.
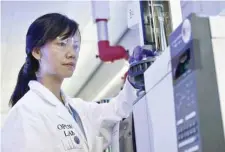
(156, 23)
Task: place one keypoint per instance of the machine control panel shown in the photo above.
(187, 122)
(199, 123)
(183, 69)
(186, 115)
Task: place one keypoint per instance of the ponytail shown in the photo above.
(26, 74)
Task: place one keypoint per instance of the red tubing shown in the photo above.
(110, 53)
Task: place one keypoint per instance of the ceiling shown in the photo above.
(17, 16)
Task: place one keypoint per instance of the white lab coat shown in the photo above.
(39, 122)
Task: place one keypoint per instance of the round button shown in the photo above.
(194, 130)
(187, 134)
(179, 138)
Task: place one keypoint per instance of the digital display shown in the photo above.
(182, 64)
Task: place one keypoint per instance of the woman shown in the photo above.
(43, 118)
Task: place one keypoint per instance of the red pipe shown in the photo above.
(108, 53)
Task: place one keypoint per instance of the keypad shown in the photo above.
(187, 131)
(186, 113)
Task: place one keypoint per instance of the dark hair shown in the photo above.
(44, 29)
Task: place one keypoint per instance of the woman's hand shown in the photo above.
(139, 61)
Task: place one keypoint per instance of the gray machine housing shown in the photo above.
(197, 103)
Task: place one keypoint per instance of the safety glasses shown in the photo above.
(68, 43)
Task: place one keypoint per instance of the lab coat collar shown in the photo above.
(45, 93)
(51, 99)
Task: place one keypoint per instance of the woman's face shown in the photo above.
(59, 57)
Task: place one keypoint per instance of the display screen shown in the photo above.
(182, 64)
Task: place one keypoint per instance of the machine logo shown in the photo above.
(186, 31)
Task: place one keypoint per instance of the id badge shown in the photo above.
(72, 144)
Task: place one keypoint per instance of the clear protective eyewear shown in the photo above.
(69, 42)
